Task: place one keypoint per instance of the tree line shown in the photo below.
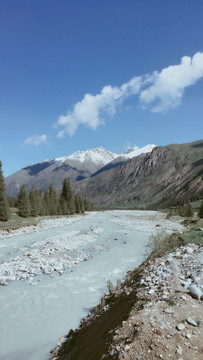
(34, 203)
(51, 203)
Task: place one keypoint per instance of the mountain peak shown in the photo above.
(136, 151)
(98, 156)
(102, 156)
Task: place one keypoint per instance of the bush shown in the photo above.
(162, 243)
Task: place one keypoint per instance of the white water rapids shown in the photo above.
(56, 274)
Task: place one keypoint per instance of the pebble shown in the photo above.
(180, 327)
(151, 291)
(168, 311)
(196, 292)
(191, 321)
(179, 350)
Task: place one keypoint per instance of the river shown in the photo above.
(56, 275)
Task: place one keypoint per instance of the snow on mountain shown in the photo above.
(97, 156)
(136, 151)
(102, 156)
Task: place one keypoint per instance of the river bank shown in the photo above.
(156, 313)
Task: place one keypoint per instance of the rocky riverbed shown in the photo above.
(156, 313)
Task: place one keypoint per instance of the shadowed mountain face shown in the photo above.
(165, 174)
(80, 165)
(44, 174)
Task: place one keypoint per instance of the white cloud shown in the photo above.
(168, 86)
(90, 109)
(160, 91)
(36, 140)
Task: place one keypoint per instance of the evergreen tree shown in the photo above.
(82, 205)
(12, 202)
(46, 202)
(88, 204)
(189, 212)
(66, 192)
(33, 202)
(201, 211)
(23, 203)
(77, 203)
(63, 208)
(53, 200)
(72, 206)
(4, 208)
(40, 201)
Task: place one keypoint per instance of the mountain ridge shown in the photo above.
(77, 166)
(165, 175)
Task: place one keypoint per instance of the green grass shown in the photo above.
(196, 204)
(161, 243)
(16, 221)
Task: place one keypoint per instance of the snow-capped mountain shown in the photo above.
(77, 166)
(101, 156)
(136, 151)
(97, 156)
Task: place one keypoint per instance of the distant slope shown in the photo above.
(165, 174)
(77, 166)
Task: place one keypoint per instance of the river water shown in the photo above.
(56, 275)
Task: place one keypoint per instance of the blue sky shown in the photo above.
(78, 74)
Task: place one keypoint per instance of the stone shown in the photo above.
(168, 311)
(180, 327)
(191, 321)
(196, 292)
(189, 250)
(151, 291)
(179, 350)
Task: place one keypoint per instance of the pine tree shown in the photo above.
(72, 206)
(40, 201)
(201, 211)
(4, 208)
(189, 212)
(77, 203)
(63, 208)
(46, 202)
(23, 203)
(33, 202)
(66, 192)
(82, 205)
(53, 200)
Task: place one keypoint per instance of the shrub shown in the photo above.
(162, 243)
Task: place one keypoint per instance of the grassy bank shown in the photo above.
(15, 221)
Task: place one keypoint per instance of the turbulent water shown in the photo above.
(56, 275)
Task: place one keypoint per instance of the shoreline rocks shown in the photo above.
(165, 320)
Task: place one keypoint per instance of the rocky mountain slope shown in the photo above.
(165, 174)
(81, 164)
